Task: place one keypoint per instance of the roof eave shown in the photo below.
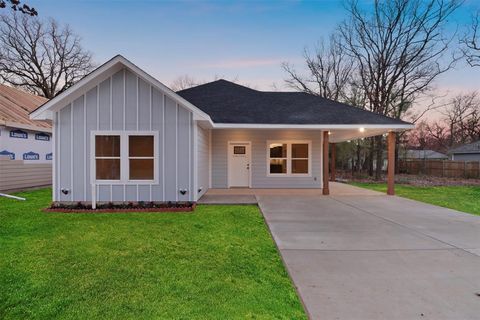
(392, 127)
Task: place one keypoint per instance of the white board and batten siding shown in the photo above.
(124, 102)
(203, 160)
(259, 139)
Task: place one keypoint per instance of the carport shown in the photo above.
(364, 255)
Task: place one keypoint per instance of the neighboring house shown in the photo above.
(20, 137)
(412, 154)
(466, 152)
(121, 135)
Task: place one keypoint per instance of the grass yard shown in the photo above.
(218, 263)
(461, 198)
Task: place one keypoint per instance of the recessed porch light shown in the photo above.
(361, 129)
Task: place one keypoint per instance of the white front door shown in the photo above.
(239, 164)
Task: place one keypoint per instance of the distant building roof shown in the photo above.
(425, 154)
(466, 148)
(15, 106)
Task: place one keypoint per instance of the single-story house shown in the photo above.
(121, 135)
(20, 137)
(424, 154)
(466, 152)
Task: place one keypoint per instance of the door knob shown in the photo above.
(248, 166)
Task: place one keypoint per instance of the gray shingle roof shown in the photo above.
(425, 154)
(227, 102)
(467, 148)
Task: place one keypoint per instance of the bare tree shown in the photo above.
(329, 71)
(41, 57)
(399, 49)
(15, 5)
(462, 118)
(184, 82)
(471, 42)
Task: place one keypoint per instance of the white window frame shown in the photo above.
(124, 157)
(289, 158)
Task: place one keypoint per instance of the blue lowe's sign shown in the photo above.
(18, 134)
(49, 156)
(31, 156)
(42, 136)
(8, 154)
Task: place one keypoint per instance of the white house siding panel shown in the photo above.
(104, 116)
(78, 149)
(118, 99)
(184, 155)
(124, 101)
(170, 152)
(258, 139)
(65, 155)
(56, 175)
(90, 125)
(203, 156)
(158, 125)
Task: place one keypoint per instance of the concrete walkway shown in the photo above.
(371, 256)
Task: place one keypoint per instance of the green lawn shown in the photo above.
(218, 263)
(462, 198)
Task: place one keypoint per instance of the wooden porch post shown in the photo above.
(326, 190)
(391, 164)
(332, 161)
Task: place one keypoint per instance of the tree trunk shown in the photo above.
(397, 148)
(358, 165)
(371, 154)
(379, 158)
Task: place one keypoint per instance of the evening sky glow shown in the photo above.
(246, 40)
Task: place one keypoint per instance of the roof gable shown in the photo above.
(101, 73)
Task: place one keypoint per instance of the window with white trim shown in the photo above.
(107, 157)
(125, 157)
(289, 158)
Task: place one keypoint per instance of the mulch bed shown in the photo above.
(119, 208)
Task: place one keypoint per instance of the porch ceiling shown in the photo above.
(341, 135)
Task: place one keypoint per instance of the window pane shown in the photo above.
(140, 146)
(108, 169)
(239, 150)
(107, 146)
(299, 150)
(278, 150)
(299, 166)
(141, 169)
(278, 166)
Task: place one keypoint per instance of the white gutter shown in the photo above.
(312, 126)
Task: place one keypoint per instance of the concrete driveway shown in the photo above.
(371, 256)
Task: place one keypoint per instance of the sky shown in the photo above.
(243, 40)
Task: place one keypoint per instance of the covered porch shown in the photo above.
(253, 154)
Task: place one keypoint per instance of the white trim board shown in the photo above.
(289, 158)
(311, 126)
(124, 158)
